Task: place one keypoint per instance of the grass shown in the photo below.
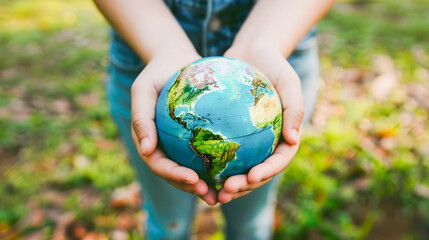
(361, 171)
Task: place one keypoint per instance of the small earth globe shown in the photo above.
(220, 117)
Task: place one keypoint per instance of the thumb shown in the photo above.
(292, 119)
(143, 103)
(293, 106)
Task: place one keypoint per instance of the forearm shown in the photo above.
(280, 24)
(147, 25)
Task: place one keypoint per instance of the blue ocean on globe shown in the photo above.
(220, 117)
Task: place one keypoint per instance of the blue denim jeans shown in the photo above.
(211, 26)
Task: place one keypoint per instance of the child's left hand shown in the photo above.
(287, 83)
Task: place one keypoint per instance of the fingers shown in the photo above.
(144, 95)
(169, 170)
(238, 186)
(273, 165)
(224, 197)
(289, 89)
(287, 83)
(239, 183)
(143, 102)
(200, 188)
(210, 197)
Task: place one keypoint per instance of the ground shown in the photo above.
(361, 171)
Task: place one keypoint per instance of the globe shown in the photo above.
(220, 117)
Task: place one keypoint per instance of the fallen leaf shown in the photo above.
(315, 235)
(81, 162)
(141, 219)
(352, 75)
(95, 236)
(361, 183)
(102, 236)
(4, 227)
(89, 197)
(350, 91)
(9, 73)
(104, 144)
(422, 74)
(54, 199)
(369, 145)
(388, 143)
(8, 160)
(4, 113)
(47, 165)
(278, 220)
(324, 110)
(19, 91)
(424, 149)
(419, 127)
(66, 149)
(206, 222)
(61, 106)
(19, 109)
(35, 218)
(128, 196)
(119, 235)
(104, 221)
(383, 64)
(406, 119)
(419, 54)
(387, 131)
(420, 93)
(125, 221)
(365, 124)
(61, 224)
(87, 100)
(382, 86)
(34, 235)
(90, 236)
(79, 231)
(422, 191)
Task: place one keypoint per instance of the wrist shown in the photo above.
(177, 51)
(257, 44)
(251, 51)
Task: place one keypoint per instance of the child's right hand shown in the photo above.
(144, 95)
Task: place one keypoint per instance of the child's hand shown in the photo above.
(288, 85)
(144, 95)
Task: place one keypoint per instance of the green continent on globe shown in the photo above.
(214, 149)
(190, 84)
(266, 110)
(257, 84)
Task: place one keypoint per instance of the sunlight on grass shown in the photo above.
(19, 15)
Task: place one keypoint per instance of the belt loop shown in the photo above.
(205, 26)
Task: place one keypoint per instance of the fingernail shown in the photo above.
(294, 135)
(144, 145)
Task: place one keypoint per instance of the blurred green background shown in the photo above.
(361, 171)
